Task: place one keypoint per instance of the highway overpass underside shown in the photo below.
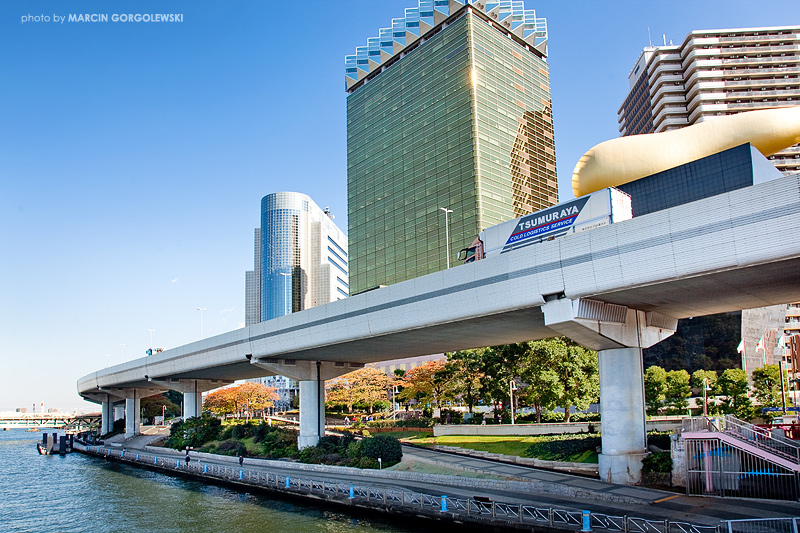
(617, 287)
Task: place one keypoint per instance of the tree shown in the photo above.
(153, 406)
(220, 402)
(701, 378)
(733, 385)
(537, 370)
(655, 388)
(577, 372)
(678, 390)
(466, 369)
(238, 399)
(368, 385)
(767, 385)
(428, 383)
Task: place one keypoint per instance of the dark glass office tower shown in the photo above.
(450, 108)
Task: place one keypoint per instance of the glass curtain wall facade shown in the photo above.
(303, 256)
(462, 121)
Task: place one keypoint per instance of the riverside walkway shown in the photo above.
(514, 496)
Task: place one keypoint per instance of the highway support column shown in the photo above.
(618, 333)
(132, 413)
(312, 412)
(312, 376)
(107, 415)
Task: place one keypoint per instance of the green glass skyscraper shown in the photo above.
(449, 108)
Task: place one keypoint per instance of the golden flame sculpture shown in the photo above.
(626, 159)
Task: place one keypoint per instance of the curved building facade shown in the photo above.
(303, 259)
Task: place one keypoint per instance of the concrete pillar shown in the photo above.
(119, 412)
(192, 404)
(312, 413)
(622, 412)
(132, 416)
(618, 333)
(107, 416)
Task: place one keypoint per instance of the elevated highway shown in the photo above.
(615, 289)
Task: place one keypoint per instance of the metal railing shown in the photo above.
(763, 525)
(761, 438)
(477, 508)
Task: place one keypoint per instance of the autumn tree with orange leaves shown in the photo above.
(366, 385)
(429, 382)
(238, 399)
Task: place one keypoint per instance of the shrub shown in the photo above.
(657, 462)
(228, 447)
(562, 447)
(354, 449)
(383, 446)
(193, 432)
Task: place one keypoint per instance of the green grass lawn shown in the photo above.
(511, 445)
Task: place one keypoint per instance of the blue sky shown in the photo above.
(133, 156)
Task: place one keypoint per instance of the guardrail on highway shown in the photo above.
(477, 509)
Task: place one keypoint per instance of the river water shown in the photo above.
(77, 493)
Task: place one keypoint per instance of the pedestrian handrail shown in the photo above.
(761, 438)
(479, 508)
(763, 525)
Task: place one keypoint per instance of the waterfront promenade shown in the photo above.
(522, 496)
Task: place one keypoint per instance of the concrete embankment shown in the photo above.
(383, 491)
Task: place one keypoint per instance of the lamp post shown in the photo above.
(512, 386)
(705, 396)
(783, 390)
(446, 234)
(151, 338)
(201, 309)
(285, 275)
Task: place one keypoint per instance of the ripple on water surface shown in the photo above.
(76, 493)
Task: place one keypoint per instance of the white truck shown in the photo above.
(600, 208)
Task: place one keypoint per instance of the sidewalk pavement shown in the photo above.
(660, 505)
(596, 496)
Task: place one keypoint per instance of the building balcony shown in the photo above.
(671, 101)
(782, 93)
(741, 106)
(761, 82)
(672, 123)
(791, 58)
(677, 112)
(664, 69)
(665, 91)
(707, 109)
(759, 39)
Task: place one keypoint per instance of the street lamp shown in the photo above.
(151, 338)
(446, 234)
(512, 386)
(706, 388)
(285, 275)
(201, 309)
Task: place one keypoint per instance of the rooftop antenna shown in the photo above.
(665, 39)
(649, 39)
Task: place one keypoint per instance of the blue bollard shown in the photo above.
(122, 454)
(177, 464)
(241, 474)
(352, 491)
(444, 503)
(155, 460)
(287, 482)
(137, 456)
(205, 469)
(587, 521)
